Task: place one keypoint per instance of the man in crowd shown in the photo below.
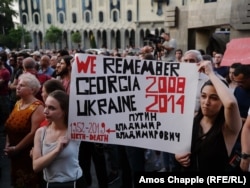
(45, 67)
(221, 70)
(169, 46)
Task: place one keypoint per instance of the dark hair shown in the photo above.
(219, 52)
(242, 69)
(209, 83)
(3, 56)
(118, 54)
(23, 54)
(220, 117)
(202, 52)
(234, 65)
(207, 57)
(52, 85)
(63, 52)
(14, 56)
(67, 59)
(63, 98)
(215, 129)
(149, 56)
(80, 51)
(211, 134)
(179, 50)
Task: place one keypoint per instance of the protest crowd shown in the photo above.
(34, 100)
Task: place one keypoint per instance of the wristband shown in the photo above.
(245, 156)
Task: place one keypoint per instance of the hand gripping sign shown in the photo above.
(133, 102)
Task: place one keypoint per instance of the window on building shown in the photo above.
(115, 16)
(49, 18)
(24, 19)
(87, 17)
(100, 16)
(129, 15)
(74, 18)
(159, 9)
(61, 18)
(209, 1)
(36, 19)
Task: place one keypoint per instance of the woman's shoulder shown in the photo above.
(35, 104)
(38, 102)
(41, 130)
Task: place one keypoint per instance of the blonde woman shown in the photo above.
(20, 127)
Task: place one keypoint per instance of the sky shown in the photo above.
(15, 7)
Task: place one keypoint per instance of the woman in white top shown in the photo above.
(54, 152)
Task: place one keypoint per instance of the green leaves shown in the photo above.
(76, 37)
(53, 35)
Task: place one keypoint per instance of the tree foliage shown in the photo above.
(53, 35)
(6, 22)
(76, 37)
(19, 34)
(6, 13)
(5, 41)
(16, 36)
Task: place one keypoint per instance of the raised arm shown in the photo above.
(233, 121)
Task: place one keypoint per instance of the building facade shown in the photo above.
(121, 23)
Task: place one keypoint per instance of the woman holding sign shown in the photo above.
(216, 126)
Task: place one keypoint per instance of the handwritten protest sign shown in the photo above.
(133, 102)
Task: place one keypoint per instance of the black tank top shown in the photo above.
(209, 153)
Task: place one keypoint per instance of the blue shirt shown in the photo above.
(223, 71)
(49, 71)
(243, 99)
